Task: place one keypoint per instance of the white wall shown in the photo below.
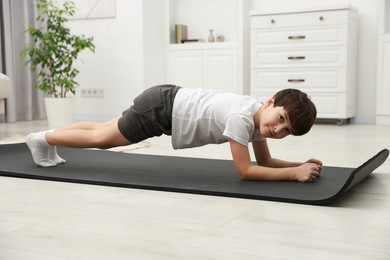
(155, 38)
(368, 31)
(130, 56)
(117, 64)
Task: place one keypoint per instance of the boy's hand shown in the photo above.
(316, 161)
(308, 172)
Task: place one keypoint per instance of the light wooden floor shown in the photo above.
(50, 220)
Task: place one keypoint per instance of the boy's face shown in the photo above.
(274, 122)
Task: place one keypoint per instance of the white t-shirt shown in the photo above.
(202, 116)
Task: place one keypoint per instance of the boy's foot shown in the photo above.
(39, 148)
(53, 155)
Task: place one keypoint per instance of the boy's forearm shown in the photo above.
(277, 163)
(261, 173)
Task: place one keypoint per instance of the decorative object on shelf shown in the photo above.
(193, 41)
(211, 36)
(54, 52)
(220, 38)
(181, 33)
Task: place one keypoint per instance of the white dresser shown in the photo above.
(311, 50)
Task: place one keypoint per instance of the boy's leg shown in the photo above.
(53, 155)
(89, 124)
(106, 135)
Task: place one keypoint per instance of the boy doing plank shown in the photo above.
(196, 117)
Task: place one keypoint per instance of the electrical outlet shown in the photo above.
(92, 93)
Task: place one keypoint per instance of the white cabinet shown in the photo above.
(185, 68)
(220, 70)
(311, 50)
(383, 89)
(216, 69)
(383, 67)
(215, 65)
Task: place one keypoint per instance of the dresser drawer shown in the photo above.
(319, 18)
(313, 80)
(302, 37)
(334, 106)
(298, 58)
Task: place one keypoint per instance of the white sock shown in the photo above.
(39, 148)
(53, 155)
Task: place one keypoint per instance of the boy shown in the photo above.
(195, 117)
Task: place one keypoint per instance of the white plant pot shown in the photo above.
(60, 111)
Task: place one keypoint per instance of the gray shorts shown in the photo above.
(150, 115)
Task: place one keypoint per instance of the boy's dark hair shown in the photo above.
(299, 108)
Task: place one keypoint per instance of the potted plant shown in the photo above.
(52, 55)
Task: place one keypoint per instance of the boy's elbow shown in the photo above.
(244, 177)
(252, 173)
(244, 174)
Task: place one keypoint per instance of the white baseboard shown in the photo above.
(383, 120)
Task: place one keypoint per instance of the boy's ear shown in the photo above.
(270, 102)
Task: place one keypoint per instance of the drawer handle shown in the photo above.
(272, 21)
(296, 80)
(296, 57)
(296, 37)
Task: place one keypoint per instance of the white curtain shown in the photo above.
(26, 103)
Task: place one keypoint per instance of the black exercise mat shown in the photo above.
(177, 174)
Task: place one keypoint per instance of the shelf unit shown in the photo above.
(216, 65)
